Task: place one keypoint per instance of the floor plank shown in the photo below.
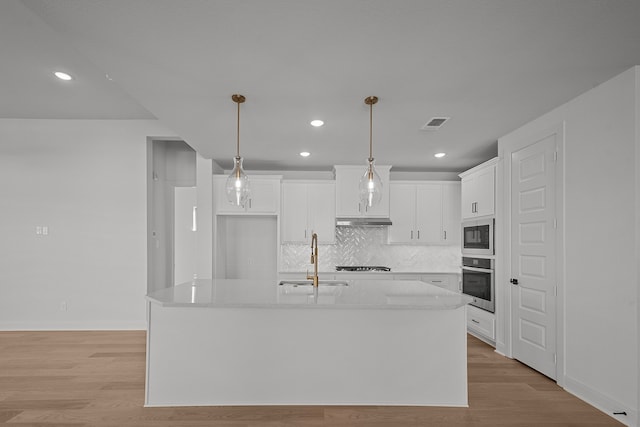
(96, 378)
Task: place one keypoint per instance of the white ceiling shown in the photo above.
(490, 65)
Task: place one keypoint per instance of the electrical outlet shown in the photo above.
(38, 230)
(63, 306)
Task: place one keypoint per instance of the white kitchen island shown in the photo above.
(243, 342)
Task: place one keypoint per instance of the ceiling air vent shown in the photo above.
(435, 123)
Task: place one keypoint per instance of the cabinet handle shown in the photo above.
(359, 207)
(305, 233)
(475, 321)
(411, 234)
(249, 203)
(445, 234)
(418, 234)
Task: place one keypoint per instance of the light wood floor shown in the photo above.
(97, 379)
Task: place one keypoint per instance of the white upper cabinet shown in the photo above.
(403, 213)
(425, 212)
(263, 200)
(429, 213)
(308, 207)
(348, 203)
(451, 223)
(478, 190)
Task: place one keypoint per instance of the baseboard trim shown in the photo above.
(602, 402)
(482, 338)
(91, 325)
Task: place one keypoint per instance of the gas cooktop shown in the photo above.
(361, 268)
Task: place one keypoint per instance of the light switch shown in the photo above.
(38, 230)
(45, 230)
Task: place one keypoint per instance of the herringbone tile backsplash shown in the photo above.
(367, 246)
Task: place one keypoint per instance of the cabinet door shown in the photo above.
(264, 197)
(485, 190)
(347, 192)
(222, 205)
(403, 213)
(429, 213)
(294, 213)
(322, 211)
(347, 200)
(382, 209)
(451, 224)
(468, 192)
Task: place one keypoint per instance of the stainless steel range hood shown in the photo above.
(362, 222)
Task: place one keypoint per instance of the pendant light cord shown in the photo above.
(370, 100)
(238, 99)
(370, 131)
(238, 131)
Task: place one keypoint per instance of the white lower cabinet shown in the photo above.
(448, 281)
(481, 323)
(360, 276)
(405, 276)
(443, 280)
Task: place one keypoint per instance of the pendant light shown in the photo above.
(238, 183)
(370, 187)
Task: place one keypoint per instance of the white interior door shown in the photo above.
(533, 255)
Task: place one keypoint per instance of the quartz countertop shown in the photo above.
(356, 294)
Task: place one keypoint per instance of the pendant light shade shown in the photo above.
(370, 187)
(237, 188)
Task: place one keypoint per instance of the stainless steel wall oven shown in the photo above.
(478, 281)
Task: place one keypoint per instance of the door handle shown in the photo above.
(514, 281)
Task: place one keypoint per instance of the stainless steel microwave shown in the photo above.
(477, 237)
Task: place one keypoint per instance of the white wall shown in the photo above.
(601, 274)
(637, 210)
(86, 181)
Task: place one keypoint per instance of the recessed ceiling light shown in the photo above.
(62, 76)
(305, 154)
(439, 155)
(316, 123)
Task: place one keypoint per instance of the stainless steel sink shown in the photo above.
(310, 283)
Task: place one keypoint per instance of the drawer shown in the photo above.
(447, 281)
(404, 276)
(481, 322)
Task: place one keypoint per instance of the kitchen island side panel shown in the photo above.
(296, 356)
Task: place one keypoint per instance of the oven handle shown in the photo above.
(480, 270)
